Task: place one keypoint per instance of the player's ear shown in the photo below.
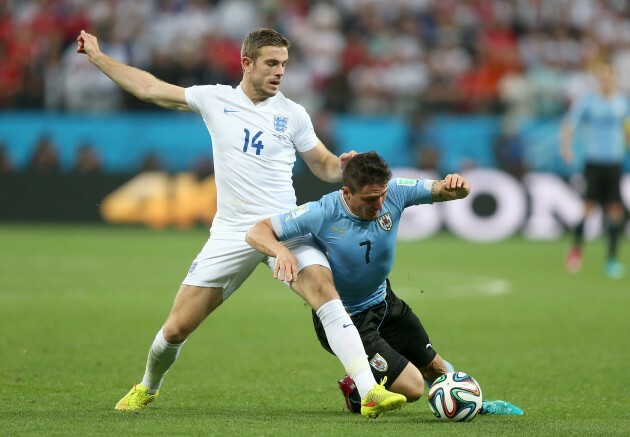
(246, 63)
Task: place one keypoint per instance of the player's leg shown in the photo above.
(592, 177)
(404, 331)
(191, 306)
(315, 285)
(614, 215)
(219, 269)
(385, 363)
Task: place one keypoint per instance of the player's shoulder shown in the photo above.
(332, 198)
(328, 203)
(398, 183)
(283, 102)
(214, 89)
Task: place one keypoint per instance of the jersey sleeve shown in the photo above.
(304, 138)
(199, 97)
(576, 111)
(303, 220)
(409, 192)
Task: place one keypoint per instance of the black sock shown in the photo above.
(613, 229)
(578, 234)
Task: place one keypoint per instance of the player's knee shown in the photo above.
(316, 286)
(415, 393)
(410, 384)
(175, 333)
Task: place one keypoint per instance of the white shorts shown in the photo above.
(226, 260)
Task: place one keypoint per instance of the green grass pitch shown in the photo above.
(80, 305)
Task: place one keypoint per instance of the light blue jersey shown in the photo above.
(361, 252)
(604, 119)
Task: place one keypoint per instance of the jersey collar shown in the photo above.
(243, 96)
(347, 209)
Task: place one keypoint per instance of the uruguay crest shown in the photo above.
(280, 122)
(385, 222)
(379, 363)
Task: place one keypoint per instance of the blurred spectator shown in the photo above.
(87, 160)
(324, 126)
(423, 143)
(204, 167)
(5, 163)
(44, 159)
(151, 162)
(509, 148)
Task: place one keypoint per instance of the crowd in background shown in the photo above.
(406, 58)
(359, 56)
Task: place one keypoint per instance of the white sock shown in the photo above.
(345, 342)
(161, 357)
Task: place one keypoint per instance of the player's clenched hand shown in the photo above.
(286, 268)
(87, 44)
(458, 184)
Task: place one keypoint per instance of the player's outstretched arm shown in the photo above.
(453, 187)
(141, 84)
(566, 142)
(262, 237)
(324, 164)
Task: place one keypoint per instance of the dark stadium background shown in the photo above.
(438, 86)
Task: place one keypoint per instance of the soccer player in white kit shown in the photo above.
(255, 132)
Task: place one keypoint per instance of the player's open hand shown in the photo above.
(87, 44)
(286, 268)
(345, 157)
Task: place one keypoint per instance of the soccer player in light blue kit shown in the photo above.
(604, 114)
(357, 228)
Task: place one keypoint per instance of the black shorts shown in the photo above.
(602, 183)
(392, 336)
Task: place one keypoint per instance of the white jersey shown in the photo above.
(254, 152)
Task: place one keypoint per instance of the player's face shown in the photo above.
(367, 202)
(606, 77)
(265, 74)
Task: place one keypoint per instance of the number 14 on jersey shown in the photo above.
(256, 143)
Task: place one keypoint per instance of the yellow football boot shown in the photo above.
(379, 400)
(136, 399)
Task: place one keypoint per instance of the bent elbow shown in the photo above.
(248, 239)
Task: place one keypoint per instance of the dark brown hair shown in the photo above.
(366, 169)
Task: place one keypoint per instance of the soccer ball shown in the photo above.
(455, 397)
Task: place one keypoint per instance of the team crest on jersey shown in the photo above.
(379, 363)
(280, 122)
(385, 221)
